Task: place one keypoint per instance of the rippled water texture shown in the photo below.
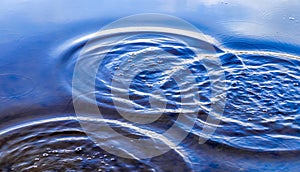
(248, 95)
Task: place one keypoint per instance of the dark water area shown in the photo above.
(243, 63)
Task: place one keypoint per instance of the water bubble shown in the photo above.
(54, 151)
(78, 149)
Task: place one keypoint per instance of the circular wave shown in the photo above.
(60, 144)
(146, 49)
(262, 86)
(149, 80)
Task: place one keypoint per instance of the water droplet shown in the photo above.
(291, 18)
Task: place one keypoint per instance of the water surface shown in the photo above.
(259, 56)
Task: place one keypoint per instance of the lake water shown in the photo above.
(211, 85)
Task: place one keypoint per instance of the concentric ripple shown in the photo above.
(262, 98)
(149, 80)
(139, 70)
(59, 144)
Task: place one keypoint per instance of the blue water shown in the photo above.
(255, 46)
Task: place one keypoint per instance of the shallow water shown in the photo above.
(259, 57)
